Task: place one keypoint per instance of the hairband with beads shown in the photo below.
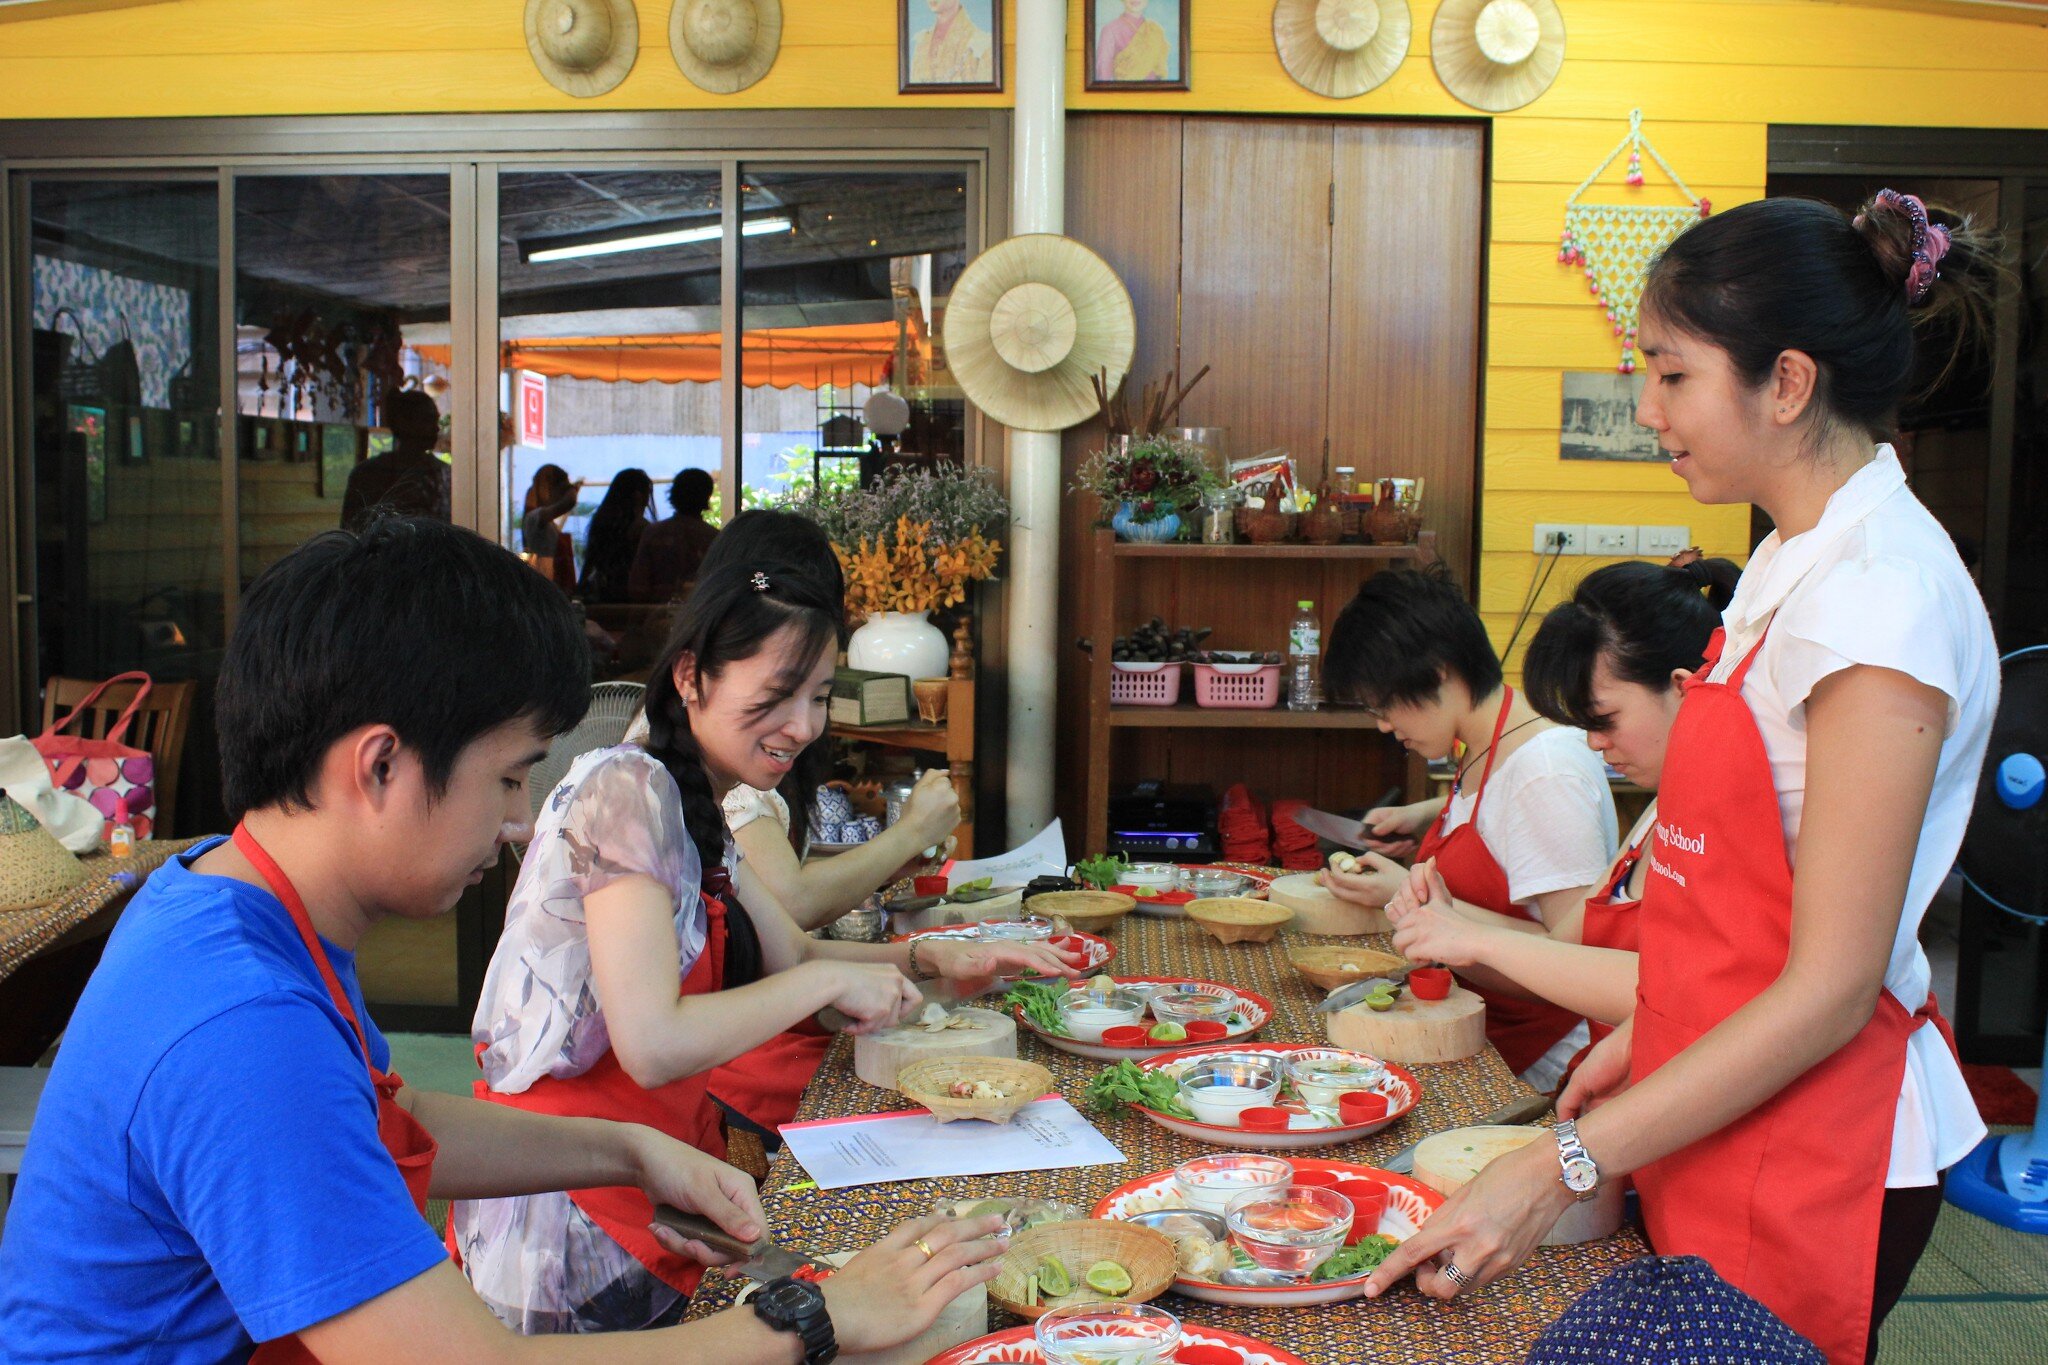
(1931, 241)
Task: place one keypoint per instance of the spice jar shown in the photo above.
(1343, 480)
(1219, 516)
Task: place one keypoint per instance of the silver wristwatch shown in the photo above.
(1580, 1174)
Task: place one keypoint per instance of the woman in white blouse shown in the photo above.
(1783, 1094)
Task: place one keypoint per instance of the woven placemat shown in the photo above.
(1495, 1325)
(24, 933)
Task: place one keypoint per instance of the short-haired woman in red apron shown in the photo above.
(629, 969)
(1784, 1095)
(1611, 662)
(1528, 827)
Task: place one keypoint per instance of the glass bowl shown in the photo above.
(1151, 876)
(1107, 1334)
(1290, 1231)
(1216, 1091)
(1086, 1014)
(1207, 883)
(1030, 929)
(1186, 1004)
(1211, 1183)
(1320, 1077)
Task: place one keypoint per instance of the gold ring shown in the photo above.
(925, 1247)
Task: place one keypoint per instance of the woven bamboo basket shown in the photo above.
(929, 1083)
(1092, 912)
(1239, 919)
(1145, 1254)
(1330, 966)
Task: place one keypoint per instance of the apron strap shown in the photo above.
(281, 887)
(1500, 725)
(1733, 682)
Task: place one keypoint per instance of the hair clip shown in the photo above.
(760, 581)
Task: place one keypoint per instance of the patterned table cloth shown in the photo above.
(1496, 1325)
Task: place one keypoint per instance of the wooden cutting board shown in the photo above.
(1446, 1030)
(1316, 911)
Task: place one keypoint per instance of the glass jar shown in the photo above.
(1343, 480)
(1219, 516)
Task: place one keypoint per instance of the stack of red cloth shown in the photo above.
(1296, 847)
(1241, 826)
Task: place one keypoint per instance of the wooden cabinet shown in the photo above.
(1330, 272)
(952, 737)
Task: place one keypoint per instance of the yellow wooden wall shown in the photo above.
(1709, 75)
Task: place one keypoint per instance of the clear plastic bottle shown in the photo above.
(1304, 659)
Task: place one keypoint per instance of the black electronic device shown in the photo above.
(1157, 823)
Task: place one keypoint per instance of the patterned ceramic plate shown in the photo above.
(1409, 1205)
(1309, 1128)
(1253, 1013)
(1199, 1346)
(1100, 950)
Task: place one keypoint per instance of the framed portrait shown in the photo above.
(949, 47)
(340, 448)
(1136, 45)
(1598, 418)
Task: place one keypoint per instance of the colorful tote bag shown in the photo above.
(116, 777)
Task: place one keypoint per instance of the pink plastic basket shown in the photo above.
(1145, 687)
(1256, 690)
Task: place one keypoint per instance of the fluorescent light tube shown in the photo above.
(647, 241)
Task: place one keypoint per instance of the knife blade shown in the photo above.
(1344, 997)
(1337, 829)
(761, 1261)
(1525, 1110)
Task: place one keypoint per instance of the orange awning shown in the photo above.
(774, 357)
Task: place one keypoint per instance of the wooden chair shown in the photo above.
(159, 727)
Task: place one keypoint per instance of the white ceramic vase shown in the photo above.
(900, 642)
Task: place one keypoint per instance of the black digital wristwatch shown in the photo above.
(790, 1305)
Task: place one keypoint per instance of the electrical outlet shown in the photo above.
(1662, 541)
(1553, 539)
(1611, 541)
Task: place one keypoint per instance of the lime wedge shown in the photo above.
(1053, 1277)
(1107, 1277)
(1167, 1033)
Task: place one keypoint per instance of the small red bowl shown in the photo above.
(1361, 1106)
(928, 886)
(1126, 1035)
(1263, 1118)
(1315, 1178)
(1430, 983)
(1207, 1030)
(1207, 1355)
(1368, 1203)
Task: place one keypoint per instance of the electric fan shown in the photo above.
(2005, 861)
(612, 708)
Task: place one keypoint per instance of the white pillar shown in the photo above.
(1038, 155)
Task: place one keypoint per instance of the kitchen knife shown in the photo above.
(1525, 1110)
(761, 1261)
(1342, 829)
(1344, 997)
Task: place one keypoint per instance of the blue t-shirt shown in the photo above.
(204, 1171)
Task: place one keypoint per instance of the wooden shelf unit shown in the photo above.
(953, 737)
(1104, 719)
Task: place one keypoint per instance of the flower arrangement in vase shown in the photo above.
(909, 544)
(1144, 483)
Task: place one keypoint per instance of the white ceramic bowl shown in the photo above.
(1209, 1183)
(1086, 1015)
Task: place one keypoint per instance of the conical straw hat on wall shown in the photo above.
(725, 45)
(1497, 54)
(1340, 48)
(583, 47)
(1031, 321)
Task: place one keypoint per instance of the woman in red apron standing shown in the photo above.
(1528, 827)
(1611, 662)
(1784, 1094)
(628, 969)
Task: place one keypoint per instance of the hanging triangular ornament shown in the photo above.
(1614, 243)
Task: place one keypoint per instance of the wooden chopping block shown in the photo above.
(1413, 1030)
(1316, 911)
(878, 1057)
(1449, 1161)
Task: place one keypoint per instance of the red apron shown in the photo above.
(766, 1083)
(1608, 922)
(1523, 1030)
(411, 1146)
(682, 1109)
(1784, 1201)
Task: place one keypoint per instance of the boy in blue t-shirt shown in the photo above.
(206, 1170)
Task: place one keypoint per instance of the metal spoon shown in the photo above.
(1258, 1279)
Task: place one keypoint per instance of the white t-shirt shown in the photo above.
(1878, 582)
(1548, 817)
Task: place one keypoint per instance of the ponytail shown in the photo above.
(731, 615)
